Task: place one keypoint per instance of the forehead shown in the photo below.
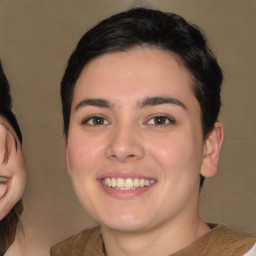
(134, 72)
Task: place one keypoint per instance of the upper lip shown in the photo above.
(4, 176)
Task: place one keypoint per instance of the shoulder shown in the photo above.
(77, 245)
(225, 241)
(220, 241)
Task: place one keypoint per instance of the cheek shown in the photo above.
(81, 154)
(177, 153)
(76, 158)
(13, 195)
(169, 151)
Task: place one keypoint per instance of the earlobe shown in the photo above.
(67, 161)
(212, 150)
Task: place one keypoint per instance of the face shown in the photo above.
(135, 146)
(12, 171)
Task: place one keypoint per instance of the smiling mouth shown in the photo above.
(127, 184)
(3, 180)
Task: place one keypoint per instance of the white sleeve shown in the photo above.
(252, 251)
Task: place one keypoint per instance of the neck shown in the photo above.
(163, 240)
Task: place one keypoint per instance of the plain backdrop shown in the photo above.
(36, 39)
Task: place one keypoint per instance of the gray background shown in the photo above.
(36, 39)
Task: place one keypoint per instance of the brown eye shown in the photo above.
(161, 120)
(96, 120)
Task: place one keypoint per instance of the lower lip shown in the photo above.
(125, 194)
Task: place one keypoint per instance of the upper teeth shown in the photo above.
(126, 184)
(3, 180)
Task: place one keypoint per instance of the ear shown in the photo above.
(212, 150)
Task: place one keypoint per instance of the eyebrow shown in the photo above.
(149, 101)
(100, 103)
(154, 101)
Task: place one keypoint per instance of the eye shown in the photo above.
(95, 120)
(161, 120)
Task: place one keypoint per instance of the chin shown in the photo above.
(124, 227)
(125, 223)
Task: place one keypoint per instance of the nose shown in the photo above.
(125, 144)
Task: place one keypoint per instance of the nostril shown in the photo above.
(123, 158)
(131, 156)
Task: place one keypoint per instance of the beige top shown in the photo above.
(220, 241)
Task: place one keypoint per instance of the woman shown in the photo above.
(141, 98)
(12, 174)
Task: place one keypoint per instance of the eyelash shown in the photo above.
(100, 120)
(161, 117)
(94, 118)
